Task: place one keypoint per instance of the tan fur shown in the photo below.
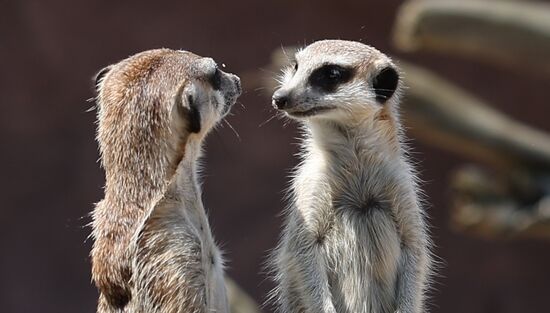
(153, 249)
(354, 239)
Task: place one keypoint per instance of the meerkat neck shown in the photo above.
(362, 136)
(185, 183)
(358, 162)
(148, 180)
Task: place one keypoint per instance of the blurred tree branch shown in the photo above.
(440, 113)
(514, 200)
(499, 205)
(511, 33)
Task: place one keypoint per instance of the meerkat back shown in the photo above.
(354, 239)
(153, 248)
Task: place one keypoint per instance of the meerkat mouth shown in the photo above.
(310, 112)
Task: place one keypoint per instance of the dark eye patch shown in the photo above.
(216, 79)
(328, 77)
(385, 83)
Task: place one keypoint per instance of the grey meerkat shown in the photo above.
(153, 248)
(355, 237)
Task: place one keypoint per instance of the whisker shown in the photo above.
(233, 129)
(90, 109)
(286, 123)
(267, 71)
(284, 51)
(267, 121)
(288, 58)
(240, 104)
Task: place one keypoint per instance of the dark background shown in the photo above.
(50, 177)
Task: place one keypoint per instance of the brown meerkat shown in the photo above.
(355, 237)
(153, 249)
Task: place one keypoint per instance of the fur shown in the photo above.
(355, 237)
(153, 248)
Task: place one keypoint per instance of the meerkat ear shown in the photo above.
(187, 108)
(385, 83)
(96, 80)
(194, 116)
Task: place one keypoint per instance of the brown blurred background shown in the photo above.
(49, 50)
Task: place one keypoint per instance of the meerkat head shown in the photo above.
(152, 104)
(335, 80)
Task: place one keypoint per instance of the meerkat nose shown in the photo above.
(280, 99)
(237, 81)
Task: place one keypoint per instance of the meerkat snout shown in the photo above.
(233, 89)
(336, 82)
(280, 99)
(228, 84)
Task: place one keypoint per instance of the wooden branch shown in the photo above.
(492, 207)
(502, 221)
(442, 114)
(510, 33)
(514, 201)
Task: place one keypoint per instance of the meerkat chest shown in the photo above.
(349, 217)
(197, 222)
(361, 249)
(210, 258)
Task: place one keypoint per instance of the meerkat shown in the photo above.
(355, 237)
(153, 249)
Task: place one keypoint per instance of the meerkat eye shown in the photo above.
(295, 66)
(215, 79)
(329, 76)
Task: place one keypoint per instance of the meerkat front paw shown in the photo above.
(111, 274)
